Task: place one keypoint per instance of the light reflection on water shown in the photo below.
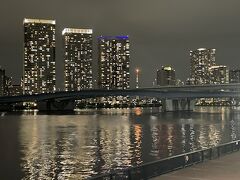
(93, 142)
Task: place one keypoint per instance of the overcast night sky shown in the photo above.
(161, 31)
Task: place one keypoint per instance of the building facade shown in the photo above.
(234, 76)
(2, 82)
(201, 61)
(219, 74)
(5, 83)
(39, 56)
(166, 76)
(15, 90)
(114, 62)
(77, 59)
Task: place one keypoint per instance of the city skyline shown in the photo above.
(153, 37)
(113, 61)
(77, 47)
(39, 59)
(78, 58)
(119, 89)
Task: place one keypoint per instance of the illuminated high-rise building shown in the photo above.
(234, 76)
(5, 83)
(166, 76)
(39, 56)
(15, 90)
(78, 59)
(219, 74)
(114, 62)
(137, 77)
(201, 60)
(2, 82)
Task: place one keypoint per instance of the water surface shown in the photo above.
(89, 142)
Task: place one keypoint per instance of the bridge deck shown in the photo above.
(226, 167)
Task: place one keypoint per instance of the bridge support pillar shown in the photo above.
(178, 104)
(56, 105)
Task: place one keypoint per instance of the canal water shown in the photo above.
(91, 142)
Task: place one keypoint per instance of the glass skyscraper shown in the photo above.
(39, 56)
(78, 59)
(114, 62)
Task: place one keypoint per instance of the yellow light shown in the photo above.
(138, 111)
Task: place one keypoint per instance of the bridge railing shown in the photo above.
(156, 168)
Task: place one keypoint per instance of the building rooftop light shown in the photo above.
(44, 21)
(74, 30)
(114, 37)
(201, 49)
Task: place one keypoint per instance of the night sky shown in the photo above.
(161, 31)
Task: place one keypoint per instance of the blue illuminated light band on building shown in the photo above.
(114, 37)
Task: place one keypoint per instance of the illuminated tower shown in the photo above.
(201, 61)
(2, 82)
(114, 62)
(39, 56)
(219, 74)
(78, 59)
(166, 76)
(234, 76)
(137, 78)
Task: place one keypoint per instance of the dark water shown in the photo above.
(76, 146)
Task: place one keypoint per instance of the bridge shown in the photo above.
(173, 97)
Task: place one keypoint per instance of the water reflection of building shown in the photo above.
(79, 146)
(116, 149)
(234, 125)
(37, 161)
(185, 135)
(59, 150)
(165, 138)
(136, 136)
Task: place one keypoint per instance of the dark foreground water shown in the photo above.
(77, 146)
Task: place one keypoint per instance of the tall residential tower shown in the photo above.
(219, 74)
(78, 59)
(234, 76)
(2, 82)
(114, 62)
(201, 61)
(39, 56)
